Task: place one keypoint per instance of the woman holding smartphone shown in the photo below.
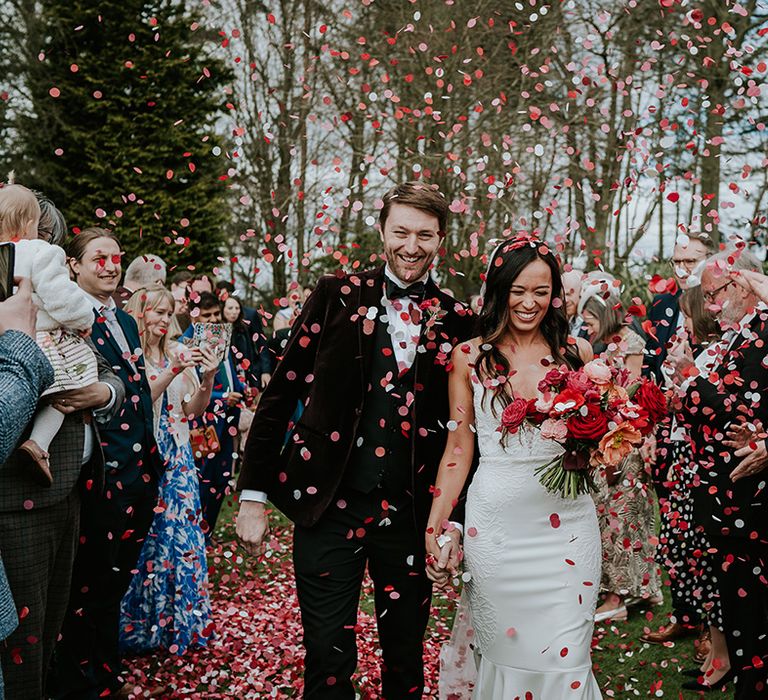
(167, 604)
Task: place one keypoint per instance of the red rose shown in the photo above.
(553, 378)
(642, 422)
(593, 425)
(533, 415)
(514, 414)
(566, 401)
(650, 398)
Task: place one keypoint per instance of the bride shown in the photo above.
(532, 558)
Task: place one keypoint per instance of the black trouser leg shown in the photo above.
(742, 575)
(329, 567)
(114, 524)
(403, 596)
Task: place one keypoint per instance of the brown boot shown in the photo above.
(35, 459)
(703, 646)
(670, 633)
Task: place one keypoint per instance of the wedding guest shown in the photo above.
(664, 312)
(64, 314)
(144, 272)
(115, 521)
(358, 467)
(730, 499)
(248, 359)
(572, 280)
(24, 374)
(252, 322)
(180, 289)
(683, 547)
(39, 529)
(24, 370)
(667, 322)
(171, 582)
(624, 499)
(200, 283)
(52, 227)
(223, 414)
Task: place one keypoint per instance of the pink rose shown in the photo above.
(554, 430)
(579, 382)
(598, 372)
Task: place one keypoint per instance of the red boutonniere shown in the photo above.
(432, 311)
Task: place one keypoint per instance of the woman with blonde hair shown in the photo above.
(167, 604)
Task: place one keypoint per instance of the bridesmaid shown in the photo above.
(167, 604)
(625, 499)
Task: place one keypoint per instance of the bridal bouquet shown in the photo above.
(594, 414)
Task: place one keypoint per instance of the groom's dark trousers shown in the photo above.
(330, 560)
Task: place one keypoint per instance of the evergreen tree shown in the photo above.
(124, 101)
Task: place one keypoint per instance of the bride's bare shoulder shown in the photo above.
(465, 353)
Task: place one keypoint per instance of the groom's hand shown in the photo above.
(443, 557)
(252, 526)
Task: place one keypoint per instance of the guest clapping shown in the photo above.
(730, 498)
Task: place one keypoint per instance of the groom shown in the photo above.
(347, 440)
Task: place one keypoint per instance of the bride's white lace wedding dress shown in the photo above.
(534, 560)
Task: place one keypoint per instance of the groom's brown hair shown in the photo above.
(418, 195)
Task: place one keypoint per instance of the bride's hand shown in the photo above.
(444, 554)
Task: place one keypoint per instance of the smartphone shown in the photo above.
(7, 260)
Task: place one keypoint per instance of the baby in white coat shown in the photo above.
(64, 318)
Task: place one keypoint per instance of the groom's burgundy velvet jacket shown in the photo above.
(326, 368)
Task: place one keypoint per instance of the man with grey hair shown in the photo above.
(572, 280)
(144, 272)
(726, 410)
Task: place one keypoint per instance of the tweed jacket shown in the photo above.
(18, 489)
(24, 374)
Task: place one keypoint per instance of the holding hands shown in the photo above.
(444, 554)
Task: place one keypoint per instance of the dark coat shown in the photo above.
(326, 367)
(129, 440)
(738, 387)
(663, 317)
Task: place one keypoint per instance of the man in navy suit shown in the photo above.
(223, 413)
(667, 322)
(116, 520)
(664, 313)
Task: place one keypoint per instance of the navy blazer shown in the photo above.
(663, 315)
(128, 440)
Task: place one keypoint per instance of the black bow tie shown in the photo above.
(414, 291)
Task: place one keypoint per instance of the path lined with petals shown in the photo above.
(257, 652)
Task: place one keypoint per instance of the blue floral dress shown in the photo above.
(167, 604)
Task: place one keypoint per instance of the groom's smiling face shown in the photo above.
(411, 238)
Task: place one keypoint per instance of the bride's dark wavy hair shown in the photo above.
(507, 261)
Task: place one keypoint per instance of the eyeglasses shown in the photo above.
(712, 295)
(685, 262)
